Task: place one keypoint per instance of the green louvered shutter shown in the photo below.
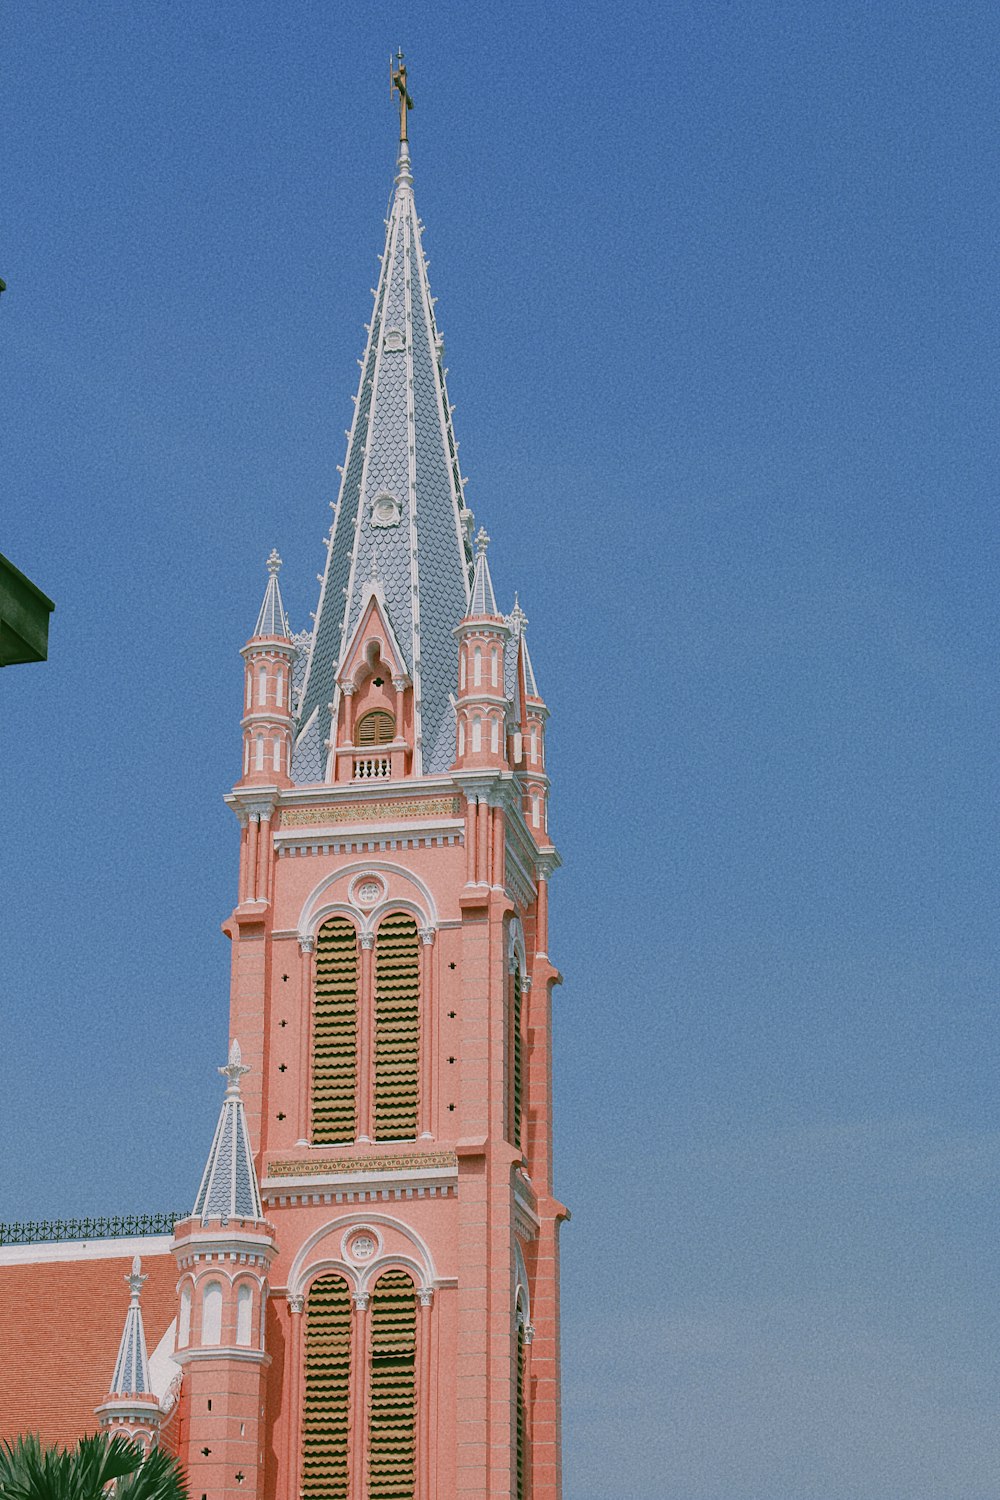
(521, 1419)
(392, 1394)
(327, 1390)
(397, 1028)
(517, 1063)
(335, 1023)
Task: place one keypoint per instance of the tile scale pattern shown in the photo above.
(400, 516)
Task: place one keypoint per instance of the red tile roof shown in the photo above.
(60, 1326)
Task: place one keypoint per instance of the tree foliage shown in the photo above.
(96, 1469)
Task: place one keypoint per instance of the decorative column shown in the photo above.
(499, 839)
(360, 1361)
(244, 855)
(365, 1064)
(294, 1361)
(424, 1389)
(264, 856)
(428, 1033)
(470, 838)
(306, 948)
(348, 690)
(483, 843)
(252, 841)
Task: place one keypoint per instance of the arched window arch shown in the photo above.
(477, 666)
(376, 728)
(392, 1394)
(250, 687)
(279, 687)
(335, 1025)
(244, 1314)
(461, 670)
(211, 1313)
(494, 666)
(494, 735)
(276, 754)
(477, 733)
(326, 1407)
(262, 683)
(259, 756)
(461, 736)
(397, 1028)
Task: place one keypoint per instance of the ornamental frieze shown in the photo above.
(331, 1166)
(371, 812)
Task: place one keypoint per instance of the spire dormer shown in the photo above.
(131, 1409)
(269, 656)
(481, 705)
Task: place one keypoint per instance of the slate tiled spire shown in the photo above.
(229, 1187)
(272, 619)
(131, 1377)
(400, 512)
(483, 600)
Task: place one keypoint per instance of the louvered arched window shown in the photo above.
(397, 1028)
(393, 1396)
(335, 1026)
(325, 1408)
(376, 728)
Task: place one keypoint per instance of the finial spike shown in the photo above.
(482, 540)
(274, 561)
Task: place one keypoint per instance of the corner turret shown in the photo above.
(267, 692)
(528, 748)
(131, 1409)
(481, 706)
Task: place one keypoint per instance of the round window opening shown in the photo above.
(362, 1247)
(386, 510)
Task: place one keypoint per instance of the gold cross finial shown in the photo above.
(398, 86)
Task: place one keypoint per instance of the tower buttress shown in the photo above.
(224, 1252)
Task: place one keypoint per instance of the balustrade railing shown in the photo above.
(372, 767)
(116, 1227)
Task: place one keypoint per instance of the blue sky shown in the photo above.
(717, 283)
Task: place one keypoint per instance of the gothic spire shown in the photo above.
(401, 489)
(229, 1187)
(131, 1377)
(272, 619)
(483, 600)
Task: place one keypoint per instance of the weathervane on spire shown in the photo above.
(398, 86)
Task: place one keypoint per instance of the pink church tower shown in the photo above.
(391, 989)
